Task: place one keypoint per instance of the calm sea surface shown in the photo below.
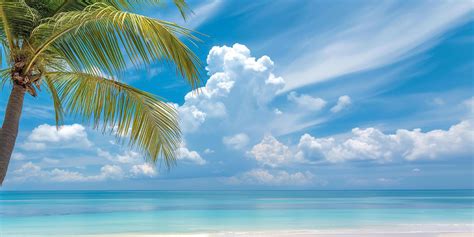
(57, 213)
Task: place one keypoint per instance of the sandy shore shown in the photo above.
(393, 231)
(297, 234)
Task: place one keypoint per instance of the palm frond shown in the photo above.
(4, 77)
(135, 4)
(150, 124)
(17, 20)
(57, 103)
(49, 8)
(104, 37)
(183, 8)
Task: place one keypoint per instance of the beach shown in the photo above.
(308, 233)
(466, 230)
(447, 213)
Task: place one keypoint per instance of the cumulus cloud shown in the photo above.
(278, 177)
(31, 171)
(306, 101)
(191, 117)
(238, 98)
(237, 141)
(184, 154)
(27, 170)
(127, 157)
(67, 136)
(238, 84)
(61, 175)
(270, 152)
(368, 144)
(143, 170)
(342, 103)
(111, 171)
(373, 144)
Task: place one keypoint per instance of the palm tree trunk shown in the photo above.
(9, 130)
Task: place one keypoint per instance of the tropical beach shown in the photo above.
(237, 213)
(216, 118)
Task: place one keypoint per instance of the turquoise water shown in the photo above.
(49, 213)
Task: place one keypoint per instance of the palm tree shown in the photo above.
(77, 50)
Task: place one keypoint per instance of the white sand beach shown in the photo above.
(442, 230)
(299, 234)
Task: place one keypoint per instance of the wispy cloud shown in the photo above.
(201, 12)
(375, 37)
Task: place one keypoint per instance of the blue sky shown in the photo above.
(313, 95)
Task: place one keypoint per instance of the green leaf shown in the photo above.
(150, 124)
(105, 38)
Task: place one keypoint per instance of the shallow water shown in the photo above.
(46, 213)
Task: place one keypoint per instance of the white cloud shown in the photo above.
(60, 175)
(127, 157)
(279, 177)
(18, 156)
(67, 136)
(30, 171)
(270, 152)
(369, 144)
(372, 144)
(306, 101)
(50, 161)
(111, 172)
(27, 170)
(380, 182)
(309, 147)
(33, 146)
(342, 103)
(239, 85)
(239, 97)
(416, 170)
(191, 118)
(184, 154)
(38, 111)
(202, 11)
(469, 103)
(375, 37)
(143, 170)
(208, 151)
(237, 141)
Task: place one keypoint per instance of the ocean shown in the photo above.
(60, 213)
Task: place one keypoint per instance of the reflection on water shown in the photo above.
(90, 212)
